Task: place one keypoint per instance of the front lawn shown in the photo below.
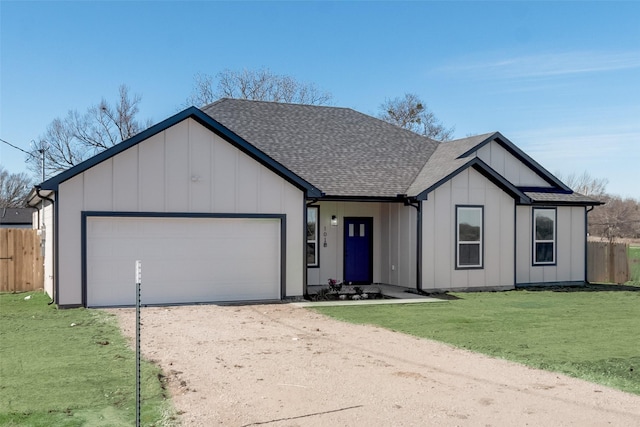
(70, 368)
(590, 333)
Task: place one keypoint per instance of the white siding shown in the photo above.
(185, 168)
(570, 247)
(510, 167)
(47, 233)
(469, 187)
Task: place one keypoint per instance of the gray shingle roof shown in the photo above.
(444, 161)
(16, 215)
(556, 198)
(339, 150)
(349, 154)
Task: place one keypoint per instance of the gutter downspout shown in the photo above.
(43, 197)
(586, 242)
(418, 206)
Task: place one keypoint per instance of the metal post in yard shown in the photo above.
(138, 282)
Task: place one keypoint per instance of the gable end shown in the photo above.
(206, 121)
(516, 152)
(488, 173)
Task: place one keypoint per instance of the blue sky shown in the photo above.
(559, 79)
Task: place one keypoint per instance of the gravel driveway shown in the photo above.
(283, 365)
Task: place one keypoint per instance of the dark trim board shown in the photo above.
(555, 236)
(108, 214)
(204, 120)
(482, 239)
(56, 252)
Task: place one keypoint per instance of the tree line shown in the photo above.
(618, 218)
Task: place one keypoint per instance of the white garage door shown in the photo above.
(184, 260)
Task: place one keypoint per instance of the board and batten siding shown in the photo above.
(439, 271)
(400, 245)
(509, 166)
(570, 249)
(394, 242)
(185, 168)
(332, 257)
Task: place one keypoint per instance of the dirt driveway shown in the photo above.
(283, 365)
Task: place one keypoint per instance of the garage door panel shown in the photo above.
(183, 259)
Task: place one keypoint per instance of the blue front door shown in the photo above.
(358, 244)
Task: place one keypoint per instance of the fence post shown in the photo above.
(138, 282)
(612, 263)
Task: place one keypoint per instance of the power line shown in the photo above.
(40, 150)
(17, 148)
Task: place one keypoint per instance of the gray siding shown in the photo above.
(570, 250)
(439, 271)
(510, 167)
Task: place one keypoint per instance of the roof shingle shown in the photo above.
(345, 153)
(339, 150)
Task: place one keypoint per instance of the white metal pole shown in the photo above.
(138, 282)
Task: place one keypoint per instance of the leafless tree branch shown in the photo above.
(409, 112)
(73, 139)
(260, 84)
(14, 188)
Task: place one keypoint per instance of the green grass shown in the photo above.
(634, 264)
(56, 374)
(589, 335)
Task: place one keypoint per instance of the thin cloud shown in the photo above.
(566, 143)
(548, 65)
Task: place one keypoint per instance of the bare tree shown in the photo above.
(261, 85)
(617, 218)
(76, 137)
(587, 184)
(409, 112)
(14, 188)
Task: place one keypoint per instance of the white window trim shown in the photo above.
(480, 242)
(536, 241)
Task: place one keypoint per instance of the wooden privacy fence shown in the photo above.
(607, 262)
(21, 267)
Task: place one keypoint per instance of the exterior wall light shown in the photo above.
(334, 221)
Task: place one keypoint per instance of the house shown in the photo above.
(16, 217)
(253, 201)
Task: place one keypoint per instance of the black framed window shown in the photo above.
(544, 236)
(312, 236)
(469, 236)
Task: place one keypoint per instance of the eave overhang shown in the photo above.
(206, 121)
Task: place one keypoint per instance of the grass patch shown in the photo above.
(70, 368)
(588, 335)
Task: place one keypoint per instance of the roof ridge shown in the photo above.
(260, 101)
